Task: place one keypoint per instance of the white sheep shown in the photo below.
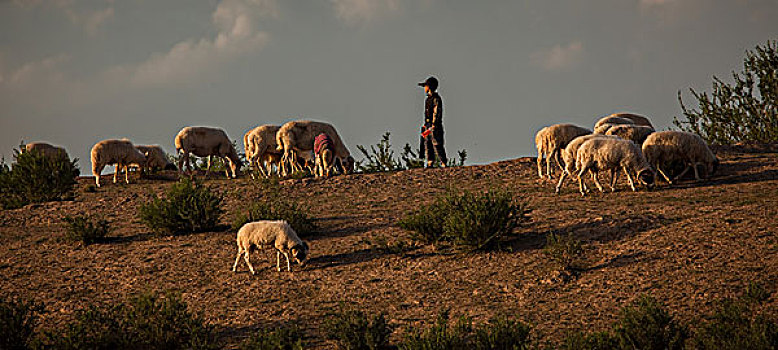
(205, 141)
(634, 133)
(551, 140)
(260, 145)
(119, 152)
(47, 150)
(278, 234)
(602, 125)
(155, 158)
(599, 154)
(298, 136)
(665, 147)
(569, 156)
(635, 118)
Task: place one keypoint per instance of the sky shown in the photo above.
(74, 72)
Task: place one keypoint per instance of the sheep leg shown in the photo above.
(126, 174)
(561, 180)
(278, 260)
(116, 171)
(96, 172)
(596, 180)
(540, 164)
(181, 162)
(246, 257)
(696, 174)
(288, 266)
(659, 170)
(559, 160)
(227, 167)
(237, 259)
(629, 178)
(614, 177)
(581, 185)
(548, 164)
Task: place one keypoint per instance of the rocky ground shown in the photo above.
(687, 245)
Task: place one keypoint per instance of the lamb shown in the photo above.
(634, 133)
(119, 152)
(205, 141)
(551, 140)
(270, 233)
(47, 150)
(155, 158)
(298, 136)
(569, 155)
(600, 154)
(260, 145)
(664, 147)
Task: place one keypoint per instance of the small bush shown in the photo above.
(565, 250)
(648, 325)
(86, 229)
(410, 159)
(188, 207)
(35, 178)
(353, 330)
(147, 321)
(440, 336)
(17, 323)
(735, 325)
(282, 338)
(379, 158)
(469, 220)
(501, 333)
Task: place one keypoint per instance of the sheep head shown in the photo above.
(300, 253)
(646, 177)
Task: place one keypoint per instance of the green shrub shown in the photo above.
(188, 207)
(746, 110)
(565, 250)
(735, 325)
(410, 159)
(354, 330)
(379, 158)
(147, 321)
(86, 229)
(17, 323)
(501, 333)
(469, 220)
(591, 341)
(648, 325)
(35, 178)
(440, 336)
(282, 338)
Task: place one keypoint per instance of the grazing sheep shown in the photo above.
(298, 136)
(322, 150)
(665, 147)
(260, 145)
(569, 156)
(635, 118)
(551, 140)
(48, 150)
(599, 154)
(634, 133)
(205, 141)
(155, 158)
(602, 125)
(277, 234)
(119, 152)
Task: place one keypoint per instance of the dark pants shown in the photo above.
(432, 145)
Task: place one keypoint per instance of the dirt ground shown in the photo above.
(687, 245)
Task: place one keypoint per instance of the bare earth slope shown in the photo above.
(687, 246)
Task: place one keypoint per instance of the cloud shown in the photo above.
(237, 34)
(35, 73)
(558, 57)
(90, 20)
(355, 12)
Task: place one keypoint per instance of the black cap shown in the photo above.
(432, 82)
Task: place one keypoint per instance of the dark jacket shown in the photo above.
(433, 110)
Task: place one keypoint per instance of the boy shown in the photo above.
(432, 131)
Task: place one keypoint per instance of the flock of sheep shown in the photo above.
(615, 145)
